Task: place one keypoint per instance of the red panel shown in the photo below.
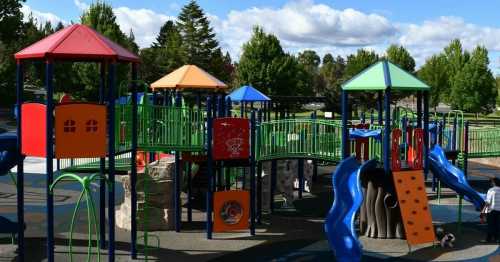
(34, 128)
(395, 154)
(231, 139)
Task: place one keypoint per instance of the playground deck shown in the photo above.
(288, 235)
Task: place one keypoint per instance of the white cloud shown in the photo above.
(304, 24)
(41, 17)
(81, 5)
(145, 23)
(431, 36)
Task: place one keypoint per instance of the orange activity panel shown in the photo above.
(34, 129)
(231, 210)
(80, 130)
(415, 211)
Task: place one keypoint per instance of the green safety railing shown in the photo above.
(162, 128)
(484, 142)
(299, 138)
(85, 165)
(123, 127)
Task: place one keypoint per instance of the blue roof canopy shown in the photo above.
(248, 94)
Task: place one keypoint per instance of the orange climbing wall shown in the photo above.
(415, 212)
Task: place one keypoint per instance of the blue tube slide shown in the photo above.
(339, 224)
(8, 160)
(453, 177)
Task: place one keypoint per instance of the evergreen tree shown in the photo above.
(11, 21)
(101, 18)
(200, 46)
(59, 26)
(164, 56)
(264, 65)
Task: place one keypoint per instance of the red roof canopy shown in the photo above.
(76, 42)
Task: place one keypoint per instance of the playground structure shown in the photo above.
(212, 134)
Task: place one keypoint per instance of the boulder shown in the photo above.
(159, 214)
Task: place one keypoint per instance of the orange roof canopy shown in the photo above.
(188, 76)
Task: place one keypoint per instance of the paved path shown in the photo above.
(288, 235)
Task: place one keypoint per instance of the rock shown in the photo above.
(160, 188)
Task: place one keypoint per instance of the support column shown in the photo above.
(20, 163)
(426, 134)
(209, 205)
(419, 109)
(345, 131)
(133, 172)
(178, 170)
(49, 69)
(380, 107)
(387, 131)
(102, 168)
(111, 159)
(252, 172)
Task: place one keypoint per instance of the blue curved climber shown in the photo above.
(339, 224)
(453, 177)
(8, 160)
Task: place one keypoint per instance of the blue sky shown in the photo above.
(339, 27)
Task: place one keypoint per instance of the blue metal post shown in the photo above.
(466, 148)
(220, 112)
(301, 177)
(419, 109)
(379, 107)
(209, 169)
(345, 131)
(102, 169)
(387, 131)
(426, 134)
(177, 180)
(133, 172)
(315, 143)
(259, 174)
(252, 172)
(111, 159)
(49, 70)
(20, 163)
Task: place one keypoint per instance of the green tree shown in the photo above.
(100, 16)
(354, 65)
(200, 45)
(497, 80)
(165, 55)
(11, 20)
(331, 74)
(401, 57)
(265, 65)
(434, 73)
(473, 86)
(309, 61)
(456, 58)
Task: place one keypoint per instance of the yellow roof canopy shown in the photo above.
(188, 76)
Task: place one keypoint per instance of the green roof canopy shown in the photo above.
(383, 75)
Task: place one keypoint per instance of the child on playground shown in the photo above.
(492, 211)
